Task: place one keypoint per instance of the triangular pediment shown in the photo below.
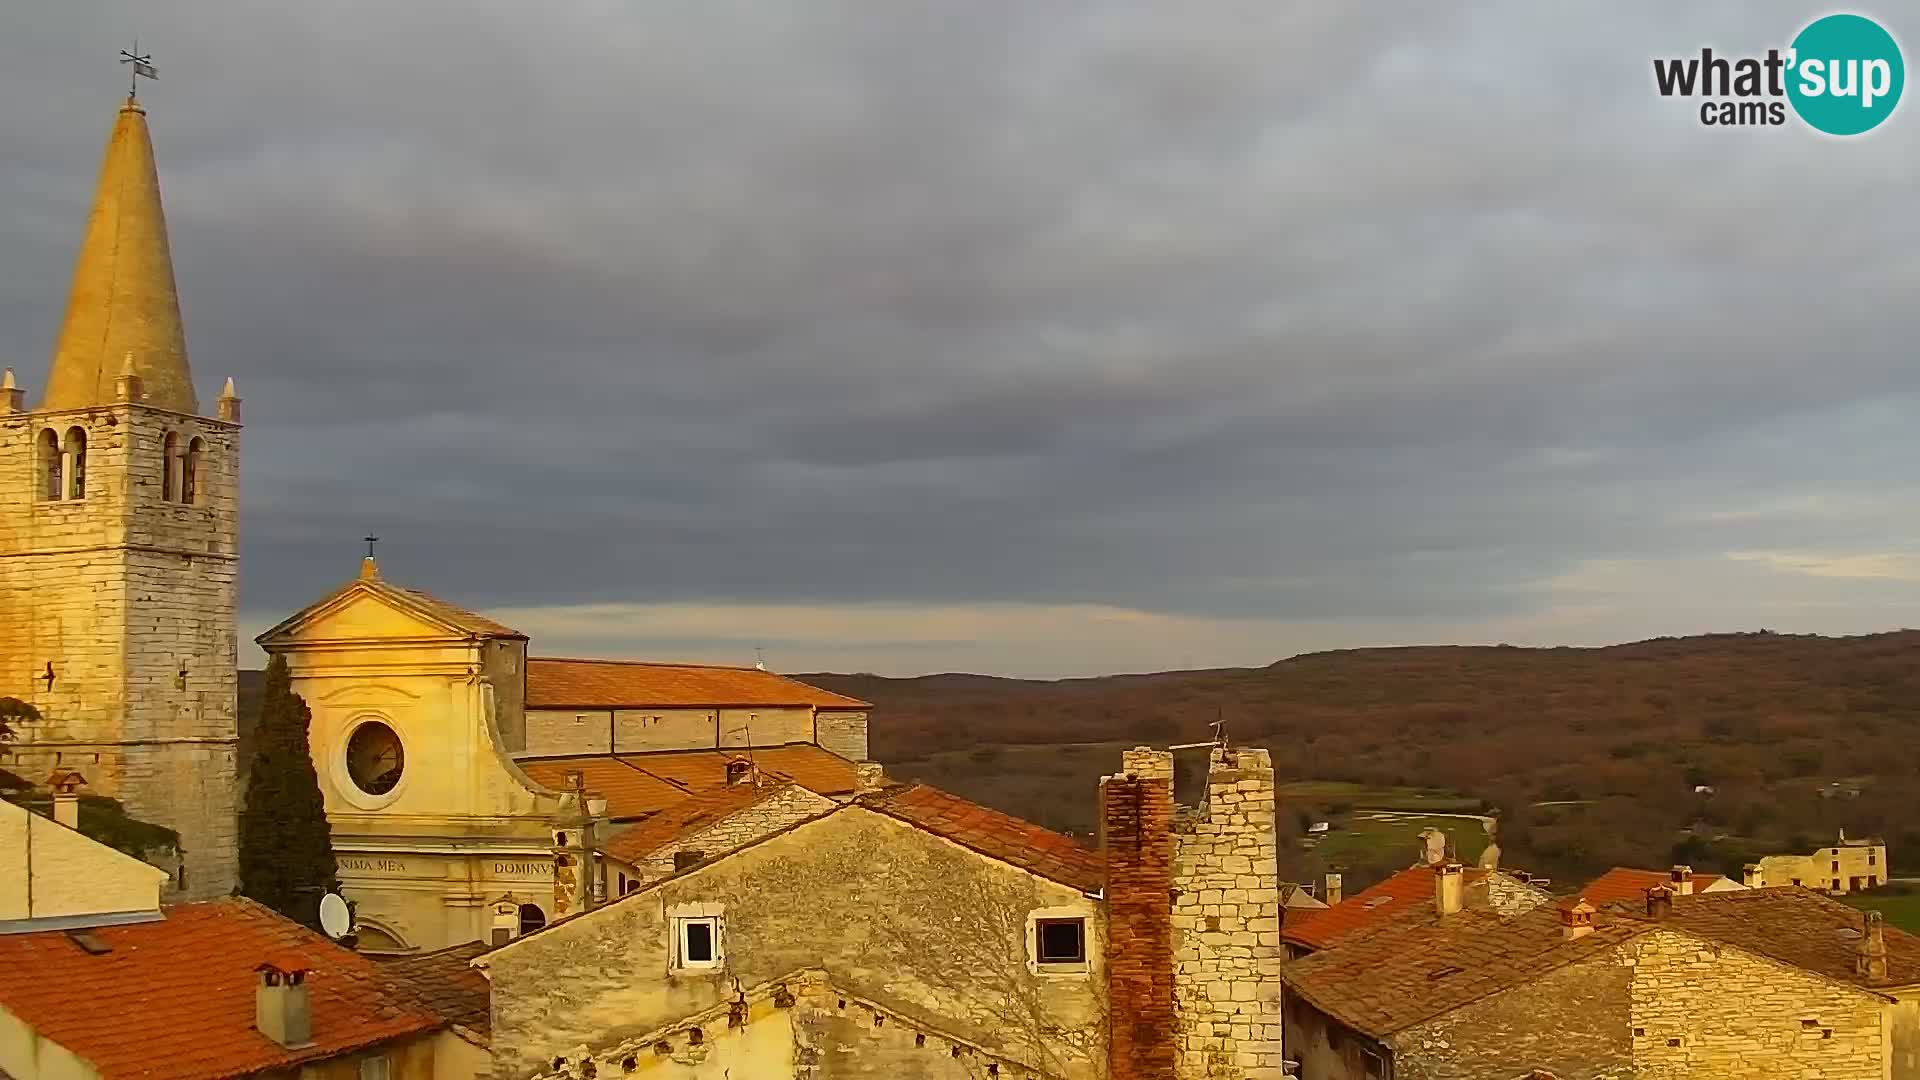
(372, 610)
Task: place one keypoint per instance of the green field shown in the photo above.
(1368, 835)
(1900, 910)
(1327, 792)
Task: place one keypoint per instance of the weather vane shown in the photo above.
(142, 67)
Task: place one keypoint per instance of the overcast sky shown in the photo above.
(1033, 339)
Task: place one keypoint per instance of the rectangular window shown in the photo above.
(698, 942)
(373, 1068)
(1872, 858)
(1061, 941)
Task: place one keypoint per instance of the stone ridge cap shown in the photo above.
(111, 406)
(767, 988)
(485, 959)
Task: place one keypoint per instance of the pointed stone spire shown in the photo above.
(12, 398)
(228, 407)
(123, 299)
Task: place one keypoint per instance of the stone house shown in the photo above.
(1847, 867)
(1756, 983)
(1482, 888)
(201, 991)
(911, 933)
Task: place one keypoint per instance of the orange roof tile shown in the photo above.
(630, 791)
(556, 683)
(640, 784)
(994, 834)
(446, 983)
(174, 999)
(1626, 883)
(1316, 929)
(687, 816)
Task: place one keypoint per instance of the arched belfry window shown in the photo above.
(169, 467)
(52, 485)
(76, 463)
(190, 471)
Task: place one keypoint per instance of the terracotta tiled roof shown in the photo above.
(631, 792)
(1794, 926)
(1625, 883)
(174, 999)
(554, 683)
(992, 833)
(1316, 929)
(687, 816)
(446, 984)
(1420, 965)
(640, 784)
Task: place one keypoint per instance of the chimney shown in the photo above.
(1751, 876)
(66, 785)
(1870, 956)
(228, 407)
(280, 1007)
(739, 771)
(1680, 880)
(1333, 889)
(1136, 833)
(1576, 921)
(1659, 902)
(1449, 892)
(12, 398)
(868, 776)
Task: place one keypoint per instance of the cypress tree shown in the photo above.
(286, 846)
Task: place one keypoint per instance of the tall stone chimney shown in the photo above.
(1449, 888)
(1333, 889)
(1226, 934)
(1680, 880)
(1870, 956)
(281, 1010)
(1136, 835)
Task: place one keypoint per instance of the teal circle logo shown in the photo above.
(1847, 74)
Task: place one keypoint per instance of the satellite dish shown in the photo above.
(335, 919)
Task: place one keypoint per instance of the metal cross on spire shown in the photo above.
(371, 540)
(142, 67)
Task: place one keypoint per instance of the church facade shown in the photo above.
(118, 540)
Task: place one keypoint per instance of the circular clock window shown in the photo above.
(375, 758)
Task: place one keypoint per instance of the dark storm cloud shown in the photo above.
(1226, 311)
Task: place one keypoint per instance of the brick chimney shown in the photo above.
(1136, 834)
(1576, 921)
(1680, 880)
(1752, 876)
(1333, 889)
(280, 1008)
(1226, 987)
(1449, 888)
(1870, 956)
(1659, 902)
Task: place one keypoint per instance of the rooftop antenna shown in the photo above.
(142, 67)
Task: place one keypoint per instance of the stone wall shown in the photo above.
(777, 811)
(1226, 925)
(1329, 1050)
(1699, 1009)
(130, 598)
(639, 730)
(844, 733)
(915, 924)
(1570, 1023)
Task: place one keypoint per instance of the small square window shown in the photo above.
(697, 941)
(1061, 941)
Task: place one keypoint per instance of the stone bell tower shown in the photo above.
(118, 525)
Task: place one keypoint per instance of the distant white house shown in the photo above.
(1319, 828)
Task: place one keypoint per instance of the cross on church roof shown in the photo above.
(142, 67)
(371, 540)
